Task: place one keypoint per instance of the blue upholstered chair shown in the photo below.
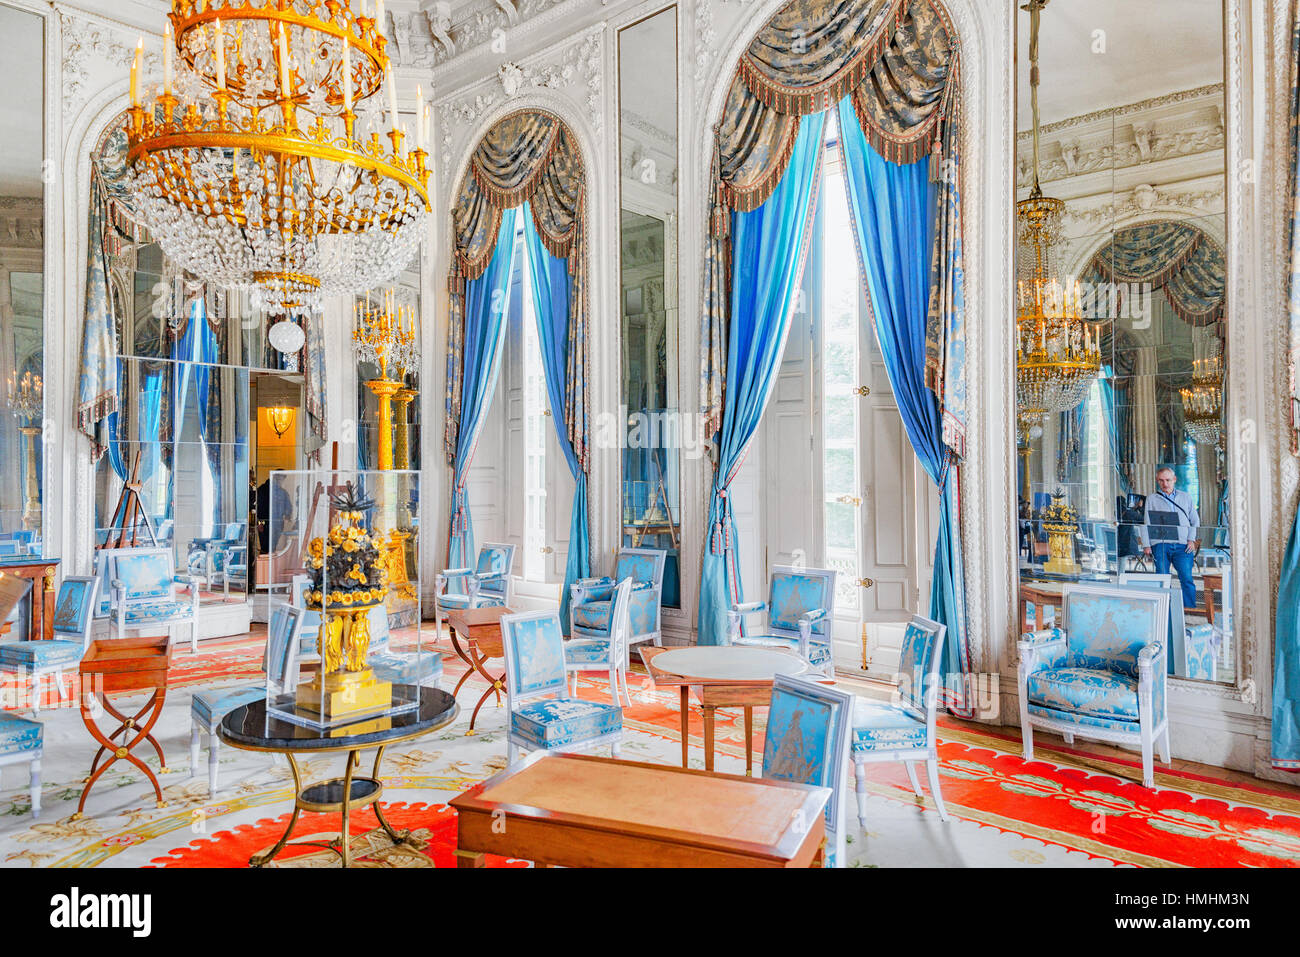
(542, 715)
(207, 708)
(73, 619)
(904, 729)
(487, 583)
(1201, 646)
(144, 593)
(1175, 637)
(399, 667)
(609, 652)
(589, 603)
(1102, 674)
(799, 608)
(807, 743)
(22, 742)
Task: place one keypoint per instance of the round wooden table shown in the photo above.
(723, 676)
(250, 728)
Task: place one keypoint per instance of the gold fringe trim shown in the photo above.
(510, 198)
(802, 100)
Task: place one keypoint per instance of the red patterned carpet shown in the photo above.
(1071, 807)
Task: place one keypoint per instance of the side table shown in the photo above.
(480, 629)
(120, 666)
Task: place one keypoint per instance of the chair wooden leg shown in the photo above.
(1068, 736)
(614, 750)
(36, 788)
(1164, 745)
(932, 772)
(194, 749)
(1027, 740)
(613, 681)
(911, 776)
(860, 781)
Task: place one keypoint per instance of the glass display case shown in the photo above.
(349, 540)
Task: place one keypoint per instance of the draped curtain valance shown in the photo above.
(530, 157)
(898, 62)
(1178, 257)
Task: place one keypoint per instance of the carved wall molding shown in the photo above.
(1212, 91)
(1072, 158)
(1083, 219)
(88, 45)
(577, 64)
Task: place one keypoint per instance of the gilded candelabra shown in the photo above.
(1061, 522)
(1058, 353)
(1203, 401)
(349, 576)
(385, 337)
(26, 399)
(248, 165)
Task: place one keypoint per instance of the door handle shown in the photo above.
(547, 549)
(862, 390)
(866, 582)
(849, 500)
(546, 411)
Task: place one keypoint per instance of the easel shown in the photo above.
(304, 537)
(128, 504)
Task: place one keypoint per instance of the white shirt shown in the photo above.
(1183, 510)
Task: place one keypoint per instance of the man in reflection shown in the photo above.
(1169, 532)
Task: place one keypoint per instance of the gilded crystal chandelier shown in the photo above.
(26, 396)
(260, 176)
(1203, 401)
(1058, 353)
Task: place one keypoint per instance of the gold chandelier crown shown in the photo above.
(260, 177)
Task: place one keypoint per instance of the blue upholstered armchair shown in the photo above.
(1101, 675)
(606, 653)
(799, 608)
(73, 620)
(144, 593)
(590, 598)
(542, 715)
(487, 583)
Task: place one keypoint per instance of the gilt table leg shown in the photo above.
(686, 722)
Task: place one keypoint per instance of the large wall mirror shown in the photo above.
(206, 404)
(1122, 473)
(649, 394)
(22, 284)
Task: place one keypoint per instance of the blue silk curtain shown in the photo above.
(768, 246)
(486, 301)
(894, 210)
(1286, 635)
(551, 287)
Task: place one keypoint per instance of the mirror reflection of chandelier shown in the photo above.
(1058, 354)
(26, 397)
(261, 178)
(1203, 401)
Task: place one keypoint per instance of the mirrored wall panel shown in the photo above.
(649, 394)
(22, 285)
(1121, 317)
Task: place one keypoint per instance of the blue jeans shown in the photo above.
(1176, 553)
